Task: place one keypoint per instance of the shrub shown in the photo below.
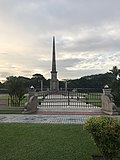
(106, 134)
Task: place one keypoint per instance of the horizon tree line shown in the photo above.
(18, 86)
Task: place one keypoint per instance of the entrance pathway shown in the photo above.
(45, 119)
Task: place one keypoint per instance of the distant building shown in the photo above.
(54, 83)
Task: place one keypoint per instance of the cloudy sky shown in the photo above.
(87, 37)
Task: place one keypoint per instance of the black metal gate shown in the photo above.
(76, 98)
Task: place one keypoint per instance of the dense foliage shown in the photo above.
(115, 85)
(112, 79)
(106, 134)
(16, 89)
(93, 81)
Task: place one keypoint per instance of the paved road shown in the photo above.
(49, 119)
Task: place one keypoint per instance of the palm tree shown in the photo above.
(115, 71)
(116, 85)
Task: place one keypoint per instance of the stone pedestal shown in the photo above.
(108, 106)
(31, 106)
(106, 91)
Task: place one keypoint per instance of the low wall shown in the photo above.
(31, 105)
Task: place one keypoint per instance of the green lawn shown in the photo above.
(94, 98)
(4, 96)
(6, 100)
(45, 142)
(89, 98)
(11, 111)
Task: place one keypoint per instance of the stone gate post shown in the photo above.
(108, 106)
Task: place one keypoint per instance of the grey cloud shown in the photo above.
(59, 15)
(94, 42)
(63, 64)
(77, 74)
(87, 35)
(26, 71)
(4, 74)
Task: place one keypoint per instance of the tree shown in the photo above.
(115, 71)
(92, 81)
(115, 85)
(26, 80)
(36, 80)
(16, 89)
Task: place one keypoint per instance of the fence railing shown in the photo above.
(79, 97)
(12, 102)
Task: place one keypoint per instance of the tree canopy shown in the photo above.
(115, 85)
(17, 86)
(16, 89)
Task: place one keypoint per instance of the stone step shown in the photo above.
(59, 110)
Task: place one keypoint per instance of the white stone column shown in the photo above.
(66, 84)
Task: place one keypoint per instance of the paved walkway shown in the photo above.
(48, 119)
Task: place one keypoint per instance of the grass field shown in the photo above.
(5, 105)
(6, 100)
(45, 142)
(94, 98)
(11, 111)
(89, 98)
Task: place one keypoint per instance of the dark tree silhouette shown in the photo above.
(16, 89)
